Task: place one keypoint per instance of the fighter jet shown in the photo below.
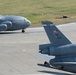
(11, 23)
(60, 47)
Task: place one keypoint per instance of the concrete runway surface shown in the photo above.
(18, 51)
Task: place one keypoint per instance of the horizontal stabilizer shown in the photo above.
(41, 47)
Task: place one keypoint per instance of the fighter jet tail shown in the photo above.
(54, 34)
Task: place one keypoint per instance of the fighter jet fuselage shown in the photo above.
(63, 50)
(11, 23)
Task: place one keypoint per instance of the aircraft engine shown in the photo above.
(3, 27)
(69, 49)
(8, 23)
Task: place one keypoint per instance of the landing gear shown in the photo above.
(23, 31)
(46, 64)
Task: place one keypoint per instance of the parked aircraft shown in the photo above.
(11, 23)
(60, 47)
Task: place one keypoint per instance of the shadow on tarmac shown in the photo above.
(54, 73)
(10, 32)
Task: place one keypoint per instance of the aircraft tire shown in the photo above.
(23, 31)
(46, 63)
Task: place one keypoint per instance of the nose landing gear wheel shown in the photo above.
(23, 30)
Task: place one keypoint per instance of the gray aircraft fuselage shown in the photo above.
(11, 23)
(60, 47)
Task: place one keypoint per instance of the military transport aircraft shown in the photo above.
(60, 47)
(11, 23)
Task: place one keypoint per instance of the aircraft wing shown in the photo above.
(64, 63)
(54, 34)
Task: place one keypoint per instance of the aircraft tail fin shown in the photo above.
(54, 34)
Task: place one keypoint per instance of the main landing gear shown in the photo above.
(23, 31)
(46, 64)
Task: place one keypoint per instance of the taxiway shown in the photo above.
(18, 51)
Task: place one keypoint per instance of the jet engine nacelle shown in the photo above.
(69, 49)
(3, 27)
(8, 23)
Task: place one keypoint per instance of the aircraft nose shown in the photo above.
(28, 22)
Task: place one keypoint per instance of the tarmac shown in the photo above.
(19, 51)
